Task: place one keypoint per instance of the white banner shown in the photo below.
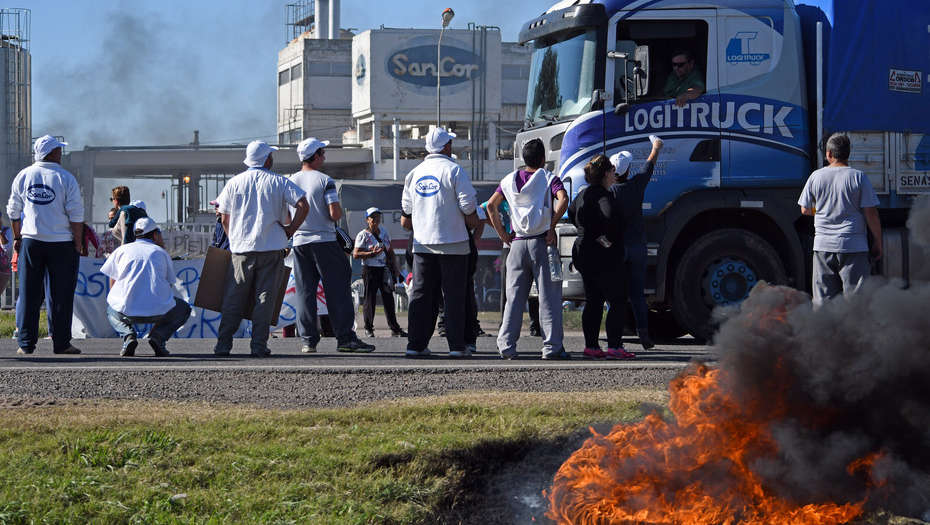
(90, 303)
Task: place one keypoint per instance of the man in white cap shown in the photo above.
(439, 206)
(318, 256)
(141, 290)
(254, 208)
(47, 215)
(627, 203)
(373, 247)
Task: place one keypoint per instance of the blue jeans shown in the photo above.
(57, 261)
(165, 325)
(324, 261)
(636, 274)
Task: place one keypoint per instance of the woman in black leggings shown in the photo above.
(598, 255)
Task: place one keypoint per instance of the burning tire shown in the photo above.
(720, 269)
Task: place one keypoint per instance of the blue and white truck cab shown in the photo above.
(721, 208)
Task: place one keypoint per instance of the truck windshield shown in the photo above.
(561, 78)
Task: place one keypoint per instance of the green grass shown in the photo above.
(8, 326)
(403, 462)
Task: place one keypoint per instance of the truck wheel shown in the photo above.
(720, 269)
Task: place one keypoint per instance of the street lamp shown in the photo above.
(447, 15)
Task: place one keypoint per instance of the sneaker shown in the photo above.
(71, 350)
(307, 349)
(159, 348)
(594, 353)
(369, 333)
(129, 347)
(619, 353)
(356, 346)
(399, 333)
(220, 353)
(534, 331)
(26, 351)
(510, 356)
(417, 353)
(460, 353)
(471, 349)
(561, 355)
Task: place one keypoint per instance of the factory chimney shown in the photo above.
(327, 19)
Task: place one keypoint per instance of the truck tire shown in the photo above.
(720, 269)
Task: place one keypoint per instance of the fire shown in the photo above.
(692, 469)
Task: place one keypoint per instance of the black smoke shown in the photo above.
(847, 380)
(150, 80)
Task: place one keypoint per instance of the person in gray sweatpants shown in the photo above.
(843, 203)
(525, 191)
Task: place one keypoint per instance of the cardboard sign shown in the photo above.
(216, 269)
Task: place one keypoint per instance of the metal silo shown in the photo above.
(15, 97)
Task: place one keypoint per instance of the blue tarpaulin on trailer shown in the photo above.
(876, 63)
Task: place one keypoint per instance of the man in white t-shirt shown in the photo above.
(843, 203)
(254, 208)
(141, 290)
(47, 214)
(373, 247)
(439, 206)
(319, 257)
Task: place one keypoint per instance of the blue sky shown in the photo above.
(146, 72)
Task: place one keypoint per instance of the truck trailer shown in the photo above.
(721, 207)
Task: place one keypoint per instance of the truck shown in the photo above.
(721, 207)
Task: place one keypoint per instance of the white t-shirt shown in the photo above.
(144, 276)
(321, 192)
(47, 198)
(366, 241)
(438, 195)
(838, 196)
(257, 203)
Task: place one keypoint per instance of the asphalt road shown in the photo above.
(289, 379)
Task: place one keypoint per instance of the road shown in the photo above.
(289, 379)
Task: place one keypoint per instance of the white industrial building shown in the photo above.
(377, 90)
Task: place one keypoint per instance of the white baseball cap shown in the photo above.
(371, 211)
(138, 204)
(308, 147)
(256, 153)
(437, 138)
(45, 145)
(621, 161)
(144, 226)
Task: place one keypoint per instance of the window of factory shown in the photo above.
(515, 72)
(296, 72)
(318, 69)
(294, 136)
(282, 138)
(342, 69)
(329, 69)
(284, 77)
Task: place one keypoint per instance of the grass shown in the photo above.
(411, 461)
(8, 324)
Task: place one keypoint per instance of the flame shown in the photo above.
(692, 469)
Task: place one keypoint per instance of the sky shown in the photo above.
(145, 72)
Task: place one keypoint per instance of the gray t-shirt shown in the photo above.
(838, 195)
(321, 192)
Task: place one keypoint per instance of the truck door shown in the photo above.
(674, 49)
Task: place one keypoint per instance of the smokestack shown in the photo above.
(333, 18)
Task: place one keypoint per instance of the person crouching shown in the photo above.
(141, 277)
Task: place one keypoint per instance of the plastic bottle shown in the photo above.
(555, 264)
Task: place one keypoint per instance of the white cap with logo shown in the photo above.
(144, 225)
(371, 211)
(138, 204)
(437, 138)
(256, 153)
(308, 147)
(621, 161)
(45, 145)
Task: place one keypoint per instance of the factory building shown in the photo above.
(15, 96)
(377, 90)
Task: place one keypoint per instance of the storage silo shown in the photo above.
(15, 97)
